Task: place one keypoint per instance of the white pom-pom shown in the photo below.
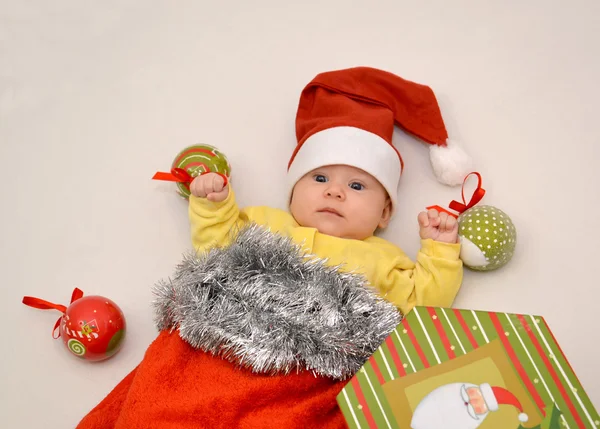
(451, 164)
(523, 417)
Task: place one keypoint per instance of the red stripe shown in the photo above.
(415, 343)
(362, 401)
(561, 352)
(516, 363)
(376, 370)
(441, 332)
(395, 356)
(552, 372)
(193, 150)
(462, 322)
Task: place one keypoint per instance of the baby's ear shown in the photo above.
(386, 214)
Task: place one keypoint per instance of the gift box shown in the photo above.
(465, 369)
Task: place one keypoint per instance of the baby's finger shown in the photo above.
(217, 197)
(434, 217)
(451, 223)
(432, 213)
(210, 183)
(217, 182)
(423, 220)
(197, 188)
(443, 220)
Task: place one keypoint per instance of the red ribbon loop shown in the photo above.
(47, 305)
(176, 175)
(464, 206)
(181, 175)
(475, 198)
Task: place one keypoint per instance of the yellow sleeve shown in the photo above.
(212, 223)
(434, 280)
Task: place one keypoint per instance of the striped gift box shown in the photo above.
(473, 369)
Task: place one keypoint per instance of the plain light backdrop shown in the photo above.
(96, 96)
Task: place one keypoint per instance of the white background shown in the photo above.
(96, 96)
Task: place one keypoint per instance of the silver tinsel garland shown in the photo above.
(259, 302)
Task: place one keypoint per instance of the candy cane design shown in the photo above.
(88, 329)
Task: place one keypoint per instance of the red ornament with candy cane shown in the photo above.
(92, 327)
(487, 234)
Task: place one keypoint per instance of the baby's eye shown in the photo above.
(320, 178)
(357, 186)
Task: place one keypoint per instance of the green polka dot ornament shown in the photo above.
(487, 234)
(488, 238)
(192, 162)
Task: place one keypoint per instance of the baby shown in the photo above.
(342, 181)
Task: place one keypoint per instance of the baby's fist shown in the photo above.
(438, 226)
(210, 186)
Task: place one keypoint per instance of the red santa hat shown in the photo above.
(348, 117)
(494, 396)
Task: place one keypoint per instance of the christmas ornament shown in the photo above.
(92, 327)
(194, 161)
(488, 238)
(487, 234)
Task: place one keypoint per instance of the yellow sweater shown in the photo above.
(434, 280)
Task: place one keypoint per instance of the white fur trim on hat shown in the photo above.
(348, 146)
(489, 397)
(450, 163)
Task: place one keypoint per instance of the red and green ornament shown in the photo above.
(488, 238)
(192, 162)
(92, 327)
(487, 234)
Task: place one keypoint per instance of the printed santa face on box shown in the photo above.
(461, 406)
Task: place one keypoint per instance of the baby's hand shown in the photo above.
(210, 186)
(438, 226)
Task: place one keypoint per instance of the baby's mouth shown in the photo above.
(330, 211)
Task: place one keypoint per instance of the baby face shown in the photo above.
(342, 201)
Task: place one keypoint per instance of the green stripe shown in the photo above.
(382, 400)
(559, 358)
(411, 352)
(473, 327)
(487, 325)
(436, 340)
(362, 421)
(462, 336)
(382, 352)
(419, 334)
(374, 407)
(401, 354)
(345, 408)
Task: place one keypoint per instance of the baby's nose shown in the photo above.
(335, 192)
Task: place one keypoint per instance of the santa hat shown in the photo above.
(494, 396)
(348, 117)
